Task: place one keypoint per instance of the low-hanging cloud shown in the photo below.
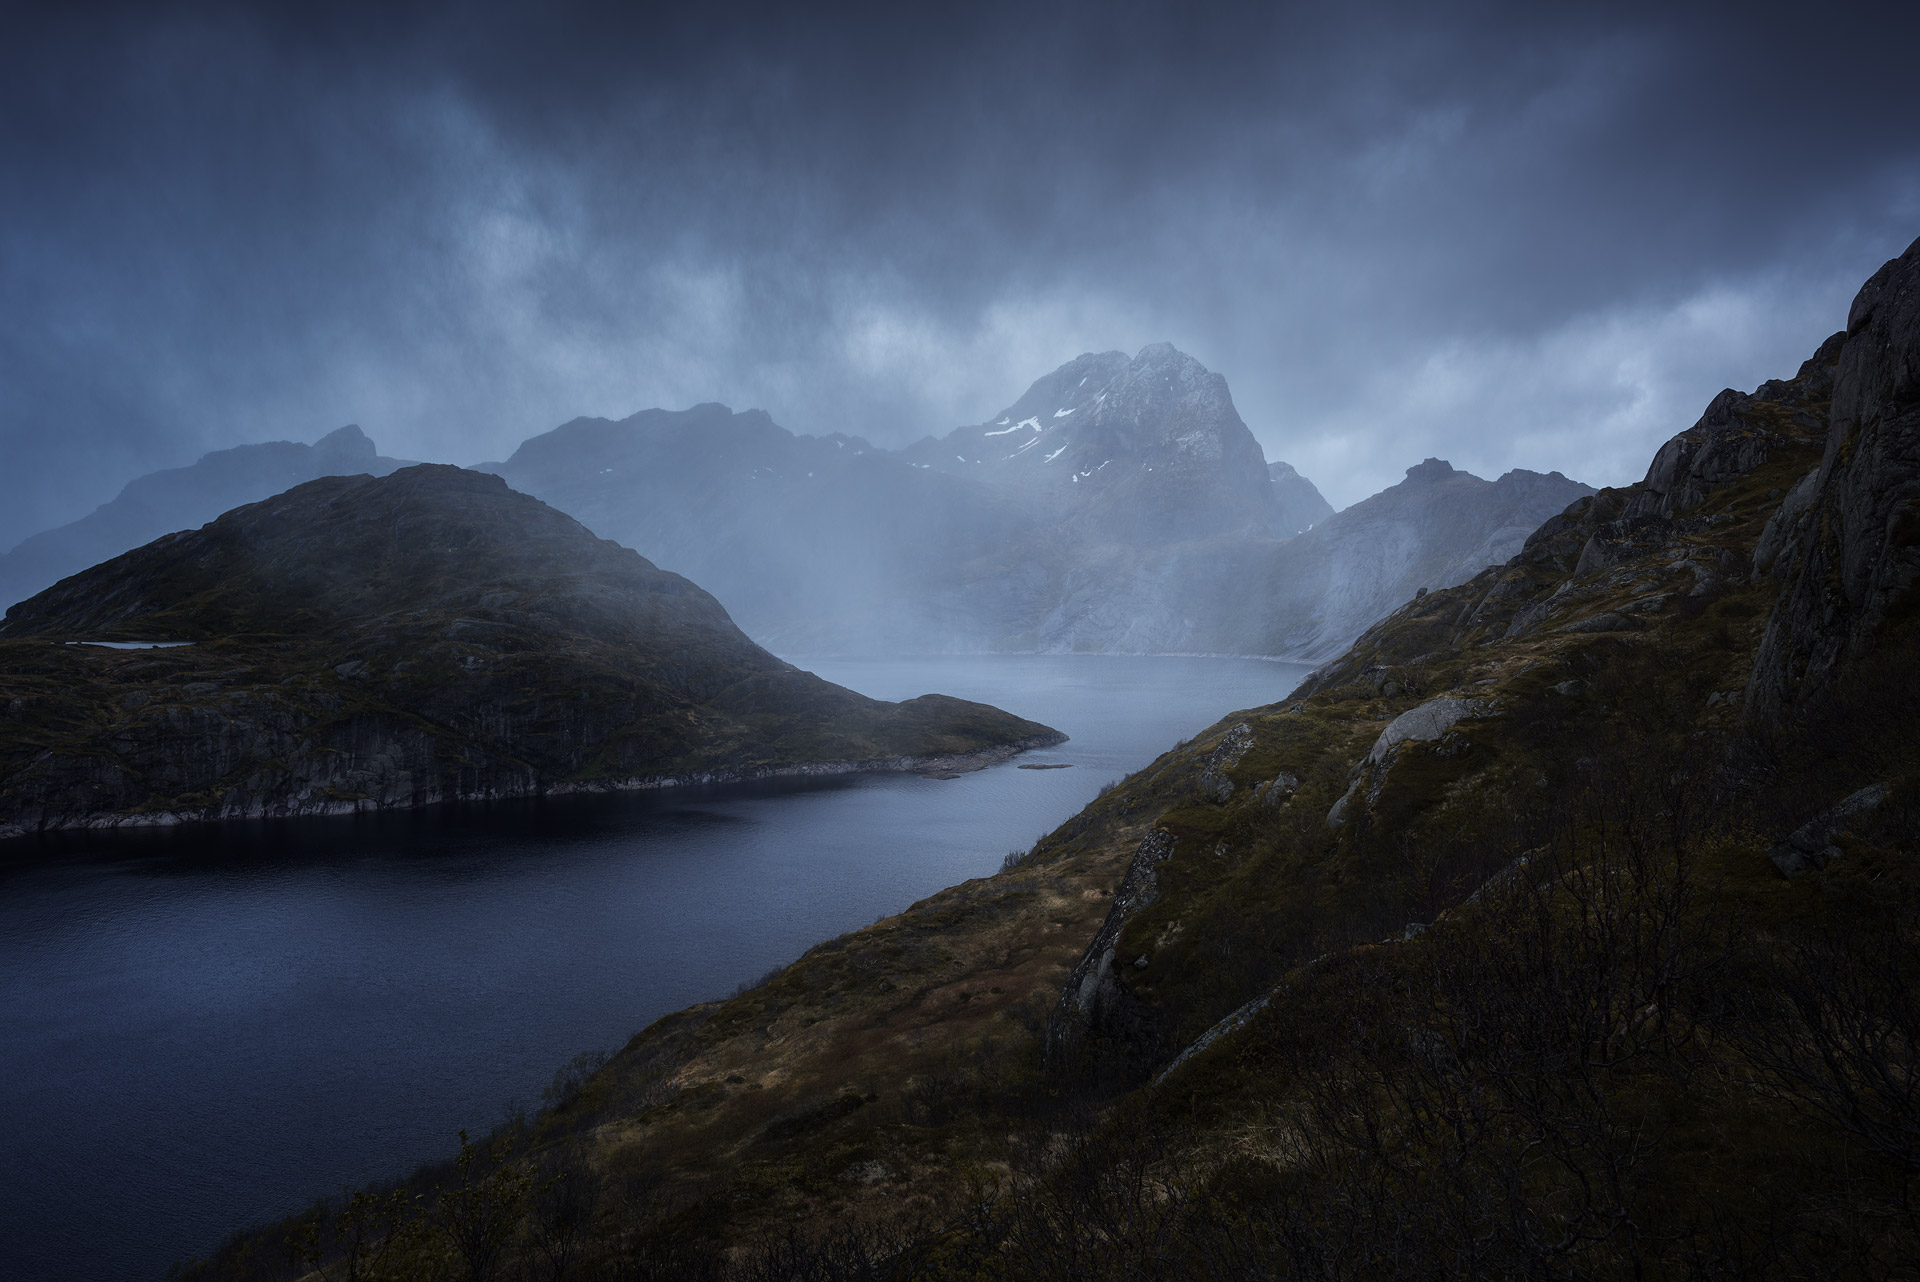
(1498, 235)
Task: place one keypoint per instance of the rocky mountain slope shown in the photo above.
(1309, 596)
(181, 498)
(800, 536)
(1565, 926)
(431, 635)
(1297, 503)
(1142, 452)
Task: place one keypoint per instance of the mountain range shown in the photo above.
(1120, 504)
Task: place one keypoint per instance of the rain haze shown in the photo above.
(1501, 235)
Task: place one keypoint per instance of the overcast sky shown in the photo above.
(1510, 236)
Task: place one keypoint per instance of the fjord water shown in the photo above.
(209, 1026)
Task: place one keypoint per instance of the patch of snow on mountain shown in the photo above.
(1033, 423)
(1061, 413)
(1056, 454)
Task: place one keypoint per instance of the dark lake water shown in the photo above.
(208, 1026)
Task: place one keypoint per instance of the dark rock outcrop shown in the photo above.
(431, 635)
(1814, 843)
(1847, 552)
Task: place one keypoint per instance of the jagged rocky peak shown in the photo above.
(345, 445)
(1298, 505)
(1147, 449)
(1101, 409)
(1845, 544)
(1737, 433)
(1431, 470)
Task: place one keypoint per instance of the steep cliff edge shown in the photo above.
(431, 635)
(1846, 543)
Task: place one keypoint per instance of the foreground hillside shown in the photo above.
(362, 642)
(1564, 928)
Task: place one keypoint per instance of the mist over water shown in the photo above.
(209, 1026)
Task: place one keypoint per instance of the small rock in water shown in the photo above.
(1048, 765)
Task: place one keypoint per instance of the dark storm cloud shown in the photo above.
(1501, 236)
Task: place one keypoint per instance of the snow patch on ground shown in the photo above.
(1061, 413)
(1033, 423)
(1056, 454)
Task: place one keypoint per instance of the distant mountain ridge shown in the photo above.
(180, 498)
(1119, 504)
(1309, 596)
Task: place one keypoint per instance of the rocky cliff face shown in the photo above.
(181, 498)
(432, 635)
(1845, 545)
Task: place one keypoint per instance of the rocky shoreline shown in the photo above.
(938, 766)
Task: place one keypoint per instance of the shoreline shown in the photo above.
(936, 765)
